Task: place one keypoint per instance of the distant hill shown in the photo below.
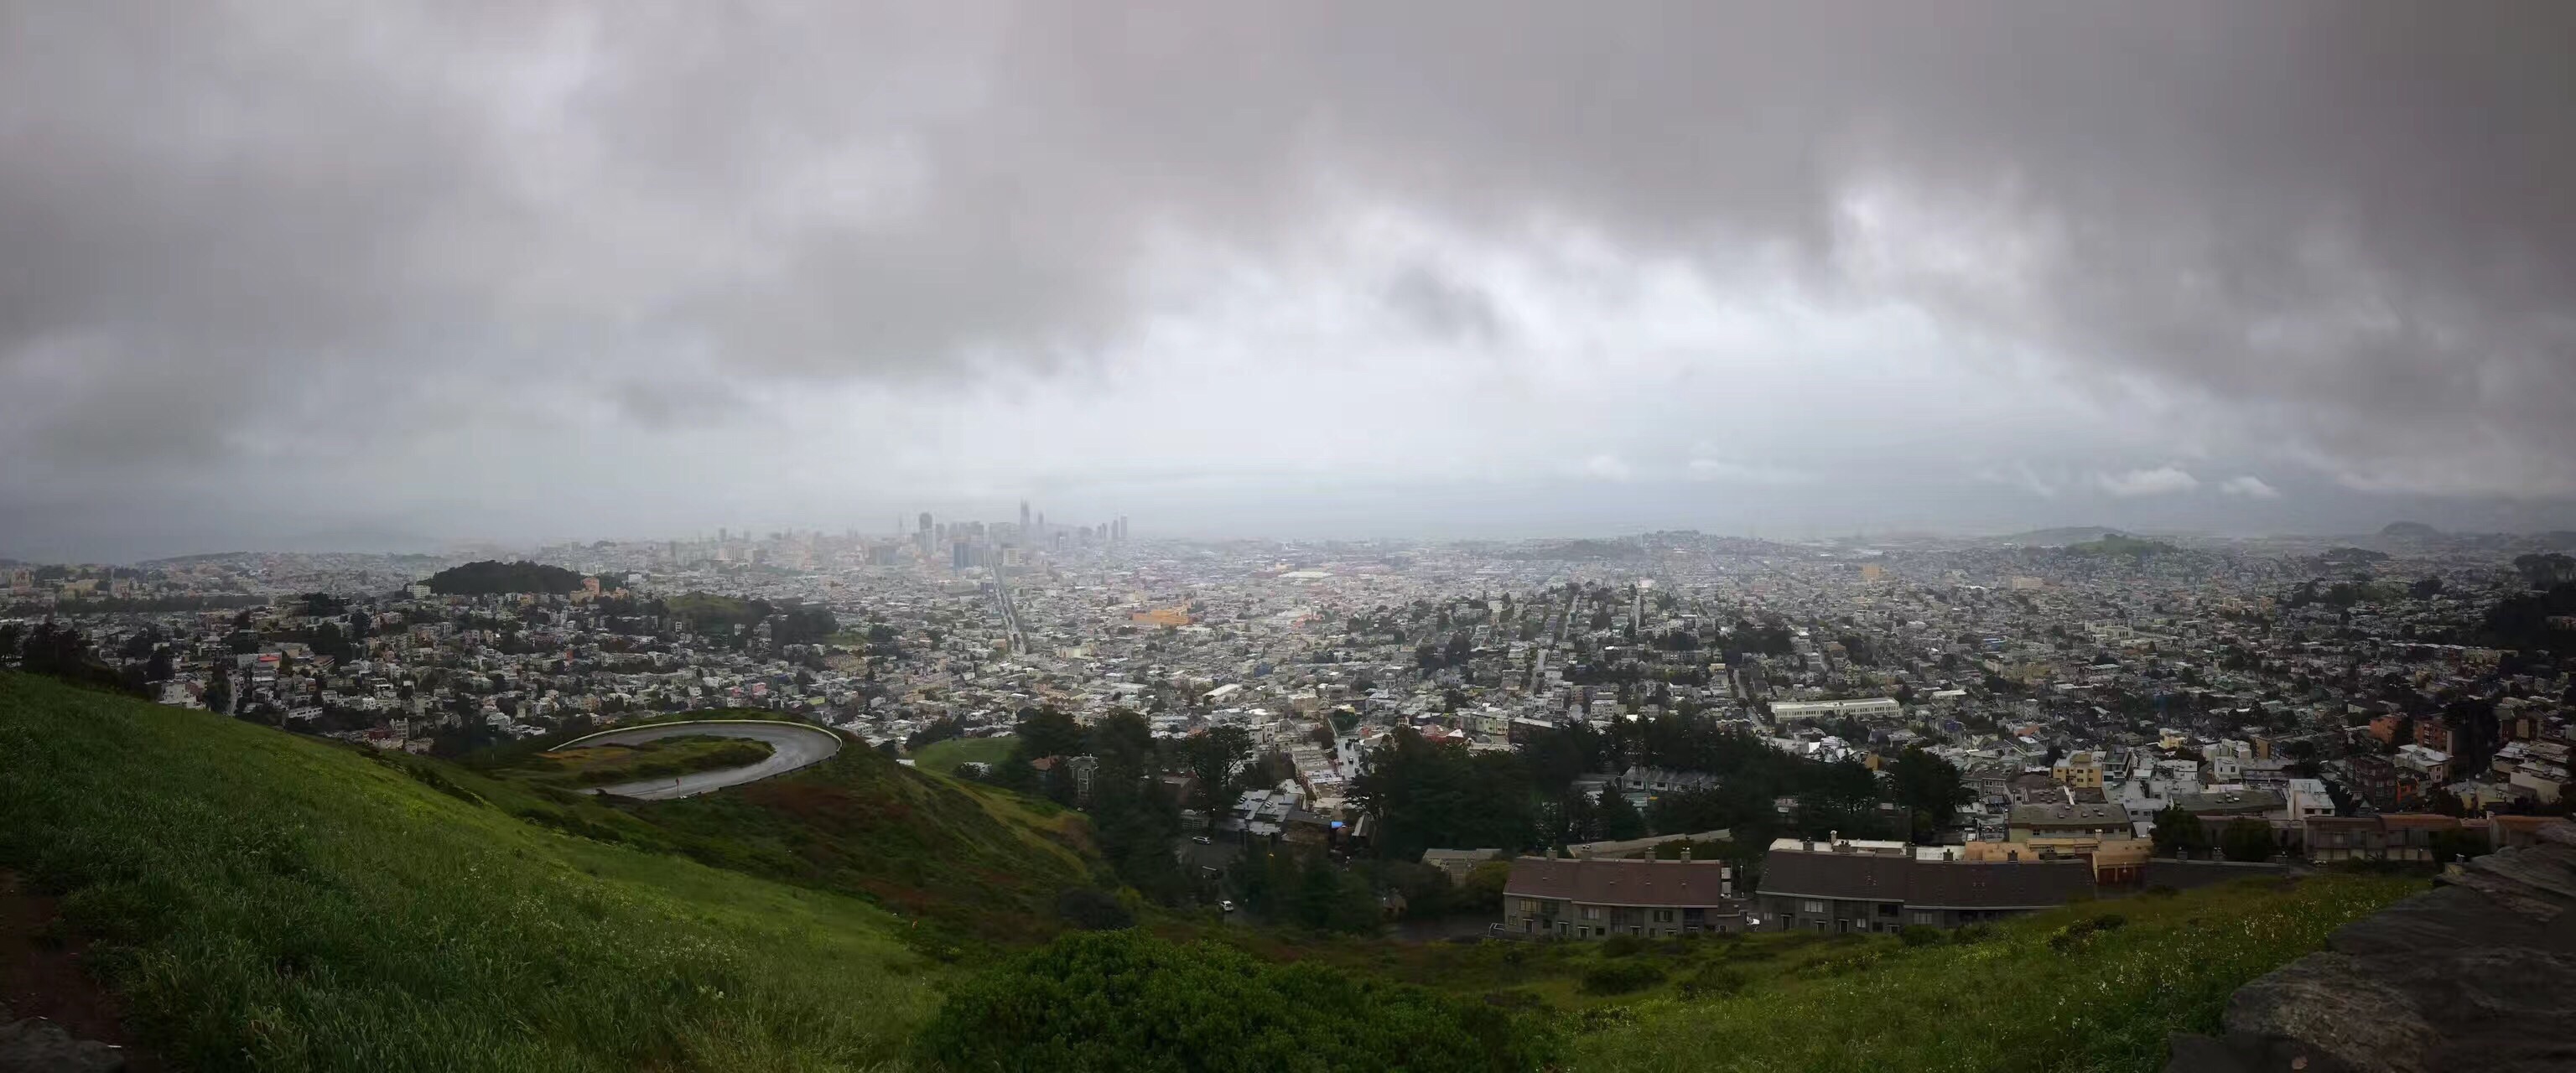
(2058, 537)
(2557, 539)
(2122, 545)
(492, 577)
(2410, 531)
(2353, 556)
(1576, 549)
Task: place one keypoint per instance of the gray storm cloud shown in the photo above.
(236, 231)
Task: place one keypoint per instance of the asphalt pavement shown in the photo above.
(792, 745)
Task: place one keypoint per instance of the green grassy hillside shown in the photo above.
(2092, 987)
(981, 862)
(942, 757)
(2053, 992)
(275, 902)
(976, 864)
(603, 765)
(266, 901)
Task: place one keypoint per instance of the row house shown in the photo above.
(1577, 898)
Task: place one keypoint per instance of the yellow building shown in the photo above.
(2083, 771)
(1177, 615)
(2116, 861)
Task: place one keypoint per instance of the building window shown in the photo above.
(1811, 907)
(1663, 916)
(1591, 912)
(1529, 905)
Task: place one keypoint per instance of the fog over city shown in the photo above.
(385, 276)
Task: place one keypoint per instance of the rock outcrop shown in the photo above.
(36, 1045)
(2477, 974)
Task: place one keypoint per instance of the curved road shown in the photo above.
(792, 745)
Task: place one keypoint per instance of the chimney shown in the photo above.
(1685, 853)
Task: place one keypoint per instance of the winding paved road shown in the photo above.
(792, 745)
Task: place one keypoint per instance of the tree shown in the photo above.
(1210, 756)
(1124, 742)
(1330, 899)
(1045, 732)
(1425, 796)
(1482, 890)
(2178, 830)
(2244, 840)
(1619, 819)
(219, 692)
(1924, 783)
(62, 652)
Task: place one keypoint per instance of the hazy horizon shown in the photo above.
(419, 275)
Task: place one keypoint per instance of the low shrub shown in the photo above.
(1713, 981)
(1120, 1000)
(1920, 935)
(2082, 931)
(1091, 909)
(1621, 978)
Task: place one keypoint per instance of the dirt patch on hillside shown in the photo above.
(41, 975)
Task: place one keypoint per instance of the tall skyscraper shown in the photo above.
(1024, 515)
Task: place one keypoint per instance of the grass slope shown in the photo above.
(978, 864)
(274, 902)
(981, 861)
(2046, 993)
(602, 765)
(942, 757)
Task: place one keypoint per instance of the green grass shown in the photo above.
(277, 902)
(283, 903)
(982, 863)
(603, 765)
(2047, 993)
(976, 864)
(942, 757)
(2090, 1000)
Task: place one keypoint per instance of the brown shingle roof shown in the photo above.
(1858, 876)
(1639, 883)
(2064, 815)
(1866, 877)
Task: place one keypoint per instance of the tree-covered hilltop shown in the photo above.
(492, 577)
(2122, 544)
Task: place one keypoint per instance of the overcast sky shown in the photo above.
(286, 274)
